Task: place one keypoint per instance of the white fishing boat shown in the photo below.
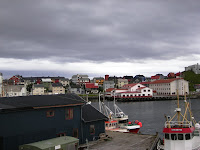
(181, 132)
(118, 120)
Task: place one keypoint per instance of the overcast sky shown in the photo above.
(98, 37)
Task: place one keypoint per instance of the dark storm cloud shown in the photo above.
(98, 30)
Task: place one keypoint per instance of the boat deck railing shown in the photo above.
(178, 124)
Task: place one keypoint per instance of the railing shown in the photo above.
(178, 124)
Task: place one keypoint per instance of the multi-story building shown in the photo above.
(57, 88)
(91, 87)
(98, 80)
(108, 84)
(64, 82)
(195, 68)
(77, 89)
(80, 79)
(14, 90)
(170, 86)
(130, 91)
(121, 82)
(38, 89)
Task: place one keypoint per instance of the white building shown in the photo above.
(1, 84)
(195, 68)
(14, 90)
(170, 86)
(130, 90)
(80, 79)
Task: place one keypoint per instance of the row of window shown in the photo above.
(68, 113)
(162, 89)
(178, 136)
(135, 95)
(166, 84)
(148, 90)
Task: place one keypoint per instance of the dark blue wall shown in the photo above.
(24, 127)
(99, 128)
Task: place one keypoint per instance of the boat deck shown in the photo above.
(125, 141)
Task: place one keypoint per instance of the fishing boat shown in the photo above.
(181, 132)
(118, 120)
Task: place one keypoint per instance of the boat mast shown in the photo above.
(100, 101)
(178, 109)
(114, 103)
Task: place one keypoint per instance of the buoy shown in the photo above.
(129, 122)
(140, 123)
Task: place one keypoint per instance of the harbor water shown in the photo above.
(152, 113)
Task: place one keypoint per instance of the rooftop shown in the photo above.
(8, 104)
(92, 114)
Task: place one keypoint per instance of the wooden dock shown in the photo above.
(124, 141)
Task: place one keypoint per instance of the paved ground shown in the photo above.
(125, 141)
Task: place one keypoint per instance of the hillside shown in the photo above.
(192, 78)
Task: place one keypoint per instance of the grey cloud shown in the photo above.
(98, 30)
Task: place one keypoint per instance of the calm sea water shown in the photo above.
(152, 114)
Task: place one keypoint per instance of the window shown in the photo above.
(75, 133)
(50, 113)
(166, 136)
(69, 113)
(173, 137)
(180, 136)
(187, 136)
(148, 90)
(92, 129)
(144, 90)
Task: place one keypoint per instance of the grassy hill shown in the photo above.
(192, 78)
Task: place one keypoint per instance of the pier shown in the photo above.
(125, 141)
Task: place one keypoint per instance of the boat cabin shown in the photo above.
(178, 135)
(111, 124)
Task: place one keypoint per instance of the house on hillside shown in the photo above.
(31, 119)
(91, 88)
(139, 78)
(171, 75)
(77, 89)
(157, 77)
(170, 86)
(57, 88)
(121, 82)
(98, 80)
(80, 79)
(15, 79)
(64, 81)
(129, 78)
(14, 90)
(195, 68)
(108, 84)
(38, 89)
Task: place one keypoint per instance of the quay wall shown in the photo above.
(135, 99)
